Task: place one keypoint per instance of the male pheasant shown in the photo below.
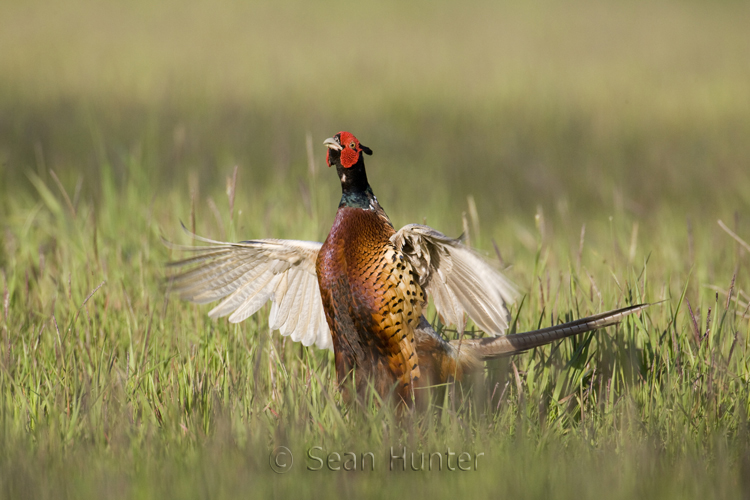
(362, 292)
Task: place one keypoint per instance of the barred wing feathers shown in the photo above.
(246, 275)
(457, 278)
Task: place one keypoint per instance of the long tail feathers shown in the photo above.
(507, 345)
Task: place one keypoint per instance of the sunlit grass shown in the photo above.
(595, 146)
(99, 368)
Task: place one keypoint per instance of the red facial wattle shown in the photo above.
(347, 150)
(351, 150)
(349, 157)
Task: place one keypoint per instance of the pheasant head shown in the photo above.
(344, 149)
(346, 153)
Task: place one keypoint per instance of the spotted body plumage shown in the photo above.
(372, 302)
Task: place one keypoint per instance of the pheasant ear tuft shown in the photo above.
(366, 150)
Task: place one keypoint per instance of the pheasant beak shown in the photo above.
(332, 144)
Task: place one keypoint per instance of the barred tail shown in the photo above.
(507, 345)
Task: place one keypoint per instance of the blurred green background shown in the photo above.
(578, 104)
(520, 121)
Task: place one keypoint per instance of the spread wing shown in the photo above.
(457, 278)
(246, 275)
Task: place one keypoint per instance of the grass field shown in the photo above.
(596, 145)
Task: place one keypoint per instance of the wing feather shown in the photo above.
(234, 282)
(457, 278)
(248, 299)
(246, 275)
(295, 304)
(327, 342)
(303, 314)
(283, 299)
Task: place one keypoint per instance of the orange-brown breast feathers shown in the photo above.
(359, 264)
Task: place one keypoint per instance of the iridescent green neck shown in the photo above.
(358, 198)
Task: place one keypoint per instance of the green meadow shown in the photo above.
(589, 149)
